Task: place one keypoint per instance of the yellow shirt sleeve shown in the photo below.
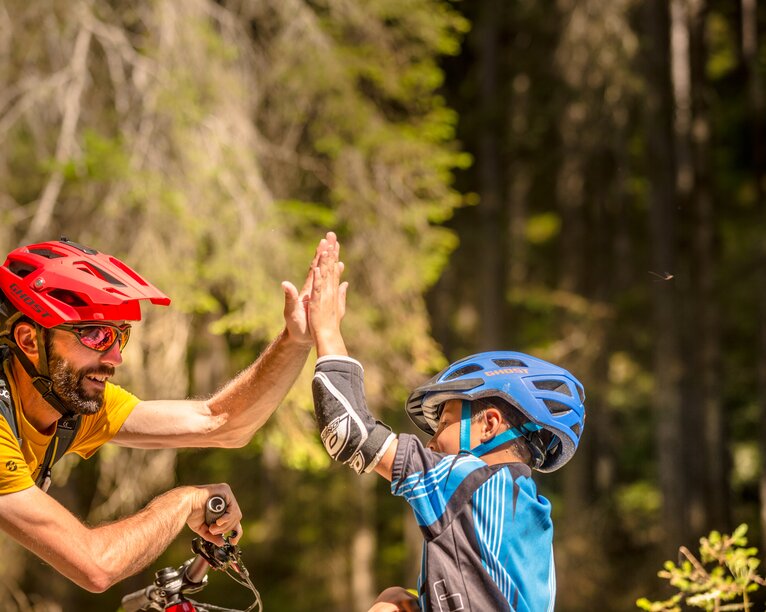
(14, 471)
(97, 429)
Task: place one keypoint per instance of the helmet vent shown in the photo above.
(20, 269)
(556, 407)
(581, 393)
(102, 274)
(553, 385)
(469, 369)
(510, 363)
(47, 253)
(69, 298)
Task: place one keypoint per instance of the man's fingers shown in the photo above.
(236, 534)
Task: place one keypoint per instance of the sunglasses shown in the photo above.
(99, 336)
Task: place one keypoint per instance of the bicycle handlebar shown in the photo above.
(215, 508)
(135, 601)
(194, 571)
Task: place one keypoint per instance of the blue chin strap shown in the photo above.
(489, 445)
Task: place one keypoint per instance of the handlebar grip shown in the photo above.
(214, 509)
(135, 601)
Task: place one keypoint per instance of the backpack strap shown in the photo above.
(66, 428)
(6, 401)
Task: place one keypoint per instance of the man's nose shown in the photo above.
(113, 356)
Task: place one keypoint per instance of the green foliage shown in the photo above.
(721, 578)
(543, 227)
(211, 145)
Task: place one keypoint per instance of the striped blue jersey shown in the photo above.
(488, 534)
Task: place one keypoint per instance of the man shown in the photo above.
(64, 320)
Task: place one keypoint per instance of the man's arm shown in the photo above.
(231, 417)
(96, 558)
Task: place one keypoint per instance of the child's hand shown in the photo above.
(327, 304)
(296, 302)
(395, 599)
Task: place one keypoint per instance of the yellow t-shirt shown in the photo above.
(19, 466)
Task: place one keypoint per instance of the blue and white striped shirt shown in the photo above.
(488, 534)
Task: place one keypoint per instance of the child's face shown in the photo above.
(447, 436)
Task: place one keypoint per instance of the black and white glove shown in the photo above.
(349, 432)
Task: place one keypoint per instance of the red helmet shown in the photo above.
(65, 282)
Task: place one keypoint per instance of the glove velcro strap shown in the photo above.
(374, 448)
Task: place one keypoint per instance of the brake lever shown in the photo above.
(218, 557)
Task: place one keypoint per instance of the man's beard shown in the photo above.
(69, 384)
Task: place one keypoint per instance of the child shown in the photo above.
(493, 416)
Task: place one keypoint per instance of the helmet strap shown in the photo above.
(490, 445)
(465, 426)
(40, 378)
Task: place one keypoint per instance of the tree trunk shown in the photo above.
(756, 108)
(492, 239)
(706, 320)
(663, 202)
(570, 202)
(363, 544)
(688, 269)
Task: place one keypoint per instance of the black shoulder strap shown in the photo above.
(6, 402)
(66, 428)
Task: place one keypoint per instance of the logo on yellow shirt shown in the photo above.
(11, 466)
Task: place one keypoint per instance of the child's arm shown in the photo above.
(349, 432)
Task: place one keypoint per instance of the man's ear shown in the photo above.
(25, 336)
(493, 421)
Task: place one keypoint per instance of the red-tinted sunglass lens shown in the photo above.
(98, 338)
(102, 337)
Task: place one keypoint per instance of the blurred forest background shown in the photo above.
(582, 180)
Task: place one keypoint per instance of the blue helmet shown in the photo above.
(549, 396)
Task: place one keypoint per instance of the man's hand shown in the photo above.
(95, 558)
(230, 418)
(296, 303)
(327, 305)
(230, 521)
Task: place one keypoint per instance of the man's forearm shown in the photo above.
(252, 397)
(96, 558)
(127, 546)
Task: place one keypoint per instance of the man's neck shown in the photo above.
(40, 414)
